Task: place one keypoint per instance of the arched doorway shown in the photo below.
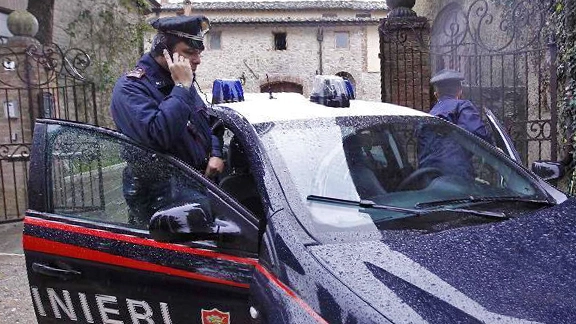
(351, 86)
(347, 76)
(282, 86)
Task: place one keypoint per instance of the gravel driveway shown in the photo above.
(15, 301)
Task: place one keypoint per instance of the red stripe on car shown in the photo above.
(32, 243)
(46, 246)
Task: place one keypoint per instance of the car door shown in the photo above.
(501, 137)
(89, 261)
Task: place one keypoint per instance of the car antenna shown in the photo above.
(269, 88)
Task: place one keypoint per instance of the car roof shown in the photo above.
(259, 108)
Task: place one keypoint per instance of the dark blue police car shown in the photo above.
(322, 216)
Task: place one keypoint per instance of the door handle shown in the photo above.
(55, 272)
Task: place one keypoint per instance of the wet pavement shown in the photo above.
(15, 302)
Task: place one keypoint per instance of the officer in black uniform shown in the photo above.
(157, 105)
(441, 153)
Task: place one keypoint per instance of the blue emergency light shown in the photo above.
(227, 90)
(349, 89)
(331, 91)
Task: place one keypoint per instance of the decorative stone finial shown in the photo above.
(187, 4)
(401, 8)
(22, 23)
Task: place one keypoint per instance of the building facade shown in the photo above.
(282, 45)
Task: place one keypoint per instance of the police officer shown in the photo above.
(157, 105)
(445, 154)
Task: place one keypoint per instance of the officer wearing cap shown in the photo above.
(157, 105)
(450, 157)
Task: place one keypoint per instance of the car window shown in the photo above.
(99, 177)
(395, 161)
(238, 178)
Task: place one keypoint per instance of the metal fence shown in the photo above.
(505, 53)
(36, 81)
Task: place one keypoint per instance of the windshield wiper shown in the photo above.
(472, 199)
(413, 212)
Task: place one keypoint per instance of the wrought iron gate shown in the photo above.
(36, 82)
(505, 53)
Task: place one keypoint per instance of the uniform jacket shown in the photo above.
(147, 107)
(444, 153)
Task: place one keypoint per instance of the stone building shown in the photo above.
(267, 43)
(281, 45)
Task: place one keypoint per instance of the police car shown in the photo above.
(322, 216)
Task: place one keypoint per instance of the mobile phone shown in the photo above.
(169, 51)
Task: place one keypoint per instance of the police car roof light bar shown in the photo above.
(227, 90)
(331, 91)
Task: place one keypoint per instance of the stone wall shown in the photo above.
(113, 51)
(13, 4)
(249, 51)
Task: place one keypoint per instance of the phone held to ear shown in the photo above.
(168, 50)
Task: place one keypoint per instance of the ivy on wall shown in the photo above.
(112, 32)
(561, 23)
(563, 19)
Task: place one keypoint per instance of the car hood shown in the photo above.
(516, 271)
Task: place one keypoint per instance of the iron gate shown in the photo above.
(505, 54)
(36, 81)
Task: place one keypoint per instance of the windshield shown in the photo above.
(408, 162)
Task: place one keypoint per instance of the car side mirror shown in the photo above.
(548, 170)
(189, 222)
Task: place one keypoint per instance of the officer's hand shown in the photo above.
(215, 166)
(180, 69)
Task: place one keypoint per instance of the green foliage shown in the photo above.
(112, 32)
(563, 19)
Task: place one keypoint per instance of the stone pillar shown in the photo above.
(404, 57)
(187, 5)
(21, 77)
(17, 106)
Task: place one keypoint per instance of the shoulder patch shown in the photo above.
(137, 73)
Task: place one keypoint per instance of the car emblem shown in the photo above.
(214, 316)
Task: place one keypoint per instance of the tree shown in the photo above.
(43, 10)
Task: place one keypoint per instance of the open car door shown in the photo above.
(501, 137)
(90, 261)
(547, 170)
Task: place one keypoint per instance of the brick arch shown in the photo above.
(347, 76)
(282, 84)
